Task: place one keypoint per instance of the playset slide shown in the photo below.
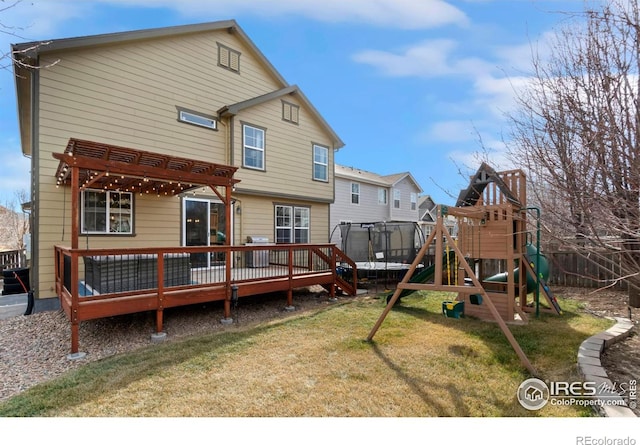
(425, 275)
(530, 259)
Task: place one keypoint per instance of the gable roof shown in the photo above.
(360, 175)
(483, 177)
(26, 55)
(30, 50)
(373, 178)
(426, 206)
(397, 177)
(234, 109)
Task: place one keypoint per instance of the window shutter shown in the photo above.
(234, 60)
(223, 56)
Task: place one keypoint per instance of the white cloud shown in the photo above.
(403, 14)
(431, 58)
(497, 94)
(452, 131)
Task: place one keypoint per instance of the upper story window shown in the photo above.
(320, 163)
(355, 193)
(106, 212)
(382, 196)
(290, 112)
(228, 58)
(414, 201)
(253, 147)
(396, 199)
(199, 119)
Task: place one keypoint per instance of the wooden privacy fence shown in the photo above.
(574, 270)
(571, 269)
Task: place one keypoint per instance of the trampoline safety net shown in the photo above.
(392, 242)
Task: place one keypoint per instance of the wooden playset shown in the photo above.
(482, 265)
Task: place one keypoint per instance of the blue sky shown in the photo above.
(408, 85)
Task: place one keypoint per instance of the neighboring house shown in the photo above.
(428, 216)
(203, 92)
(363, 196)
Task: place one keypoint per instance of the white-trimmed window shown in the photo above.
(199, 119)
(292, 224)
(355, 193)
(396, 199)
(106, 212)
(228, 58)
(414, 201)
(382, 196)
(320, 163)
(253, 143)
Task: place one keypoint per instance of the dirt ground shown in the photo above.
(622, 359)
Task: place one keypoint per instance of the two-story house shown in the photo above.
(363, 196)
(196, 94)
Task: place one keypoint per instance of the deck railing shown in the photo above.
(12, 259)
(96, 283)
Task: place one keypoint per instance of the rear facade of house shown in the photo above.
(203, 92)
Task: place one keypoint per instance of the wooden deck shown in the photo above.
(97, 283)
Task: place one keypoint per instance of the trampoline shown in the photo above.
(387, 247)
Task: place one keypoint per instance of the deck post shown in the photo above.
(289, 306)
(227, 267)
(75, 337)
(160, 303)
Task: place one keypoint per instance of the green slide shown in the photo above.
(425, 275)
(532, 255)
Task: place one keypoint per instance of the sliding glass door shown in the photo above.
(204, 224)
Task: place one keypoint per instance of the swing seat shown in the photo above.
(453, 309)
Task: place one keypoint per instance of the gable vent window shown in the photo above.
(199, 119)
(290, 112)
(228, 58)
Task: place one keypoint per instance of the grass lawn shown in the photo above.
(319, 364)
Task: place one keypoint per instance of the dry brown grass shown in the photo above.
(318, 364)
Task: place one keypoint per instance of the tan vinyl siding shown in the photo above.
(288, 153)
(127, 95)
(258, 218)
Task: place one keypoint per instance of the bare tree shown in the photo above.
(17, 57)
(14, 222)
(577, 130)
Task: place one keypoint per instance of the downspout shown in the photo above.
(34, 227)
(231, 159)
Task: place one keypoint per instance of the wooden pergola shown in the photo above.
(86, 164)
